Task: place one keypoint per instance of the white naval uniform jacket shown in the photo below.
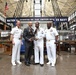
(51, 33)
(17, 32)
(39, 36)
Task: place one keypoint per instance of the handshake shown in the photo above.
(33, 38)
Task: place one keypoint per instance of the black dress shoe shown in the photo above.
(41, 65)
(27, 64)
(35, 63)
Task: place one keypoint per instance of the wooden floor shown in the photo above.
(66, 65)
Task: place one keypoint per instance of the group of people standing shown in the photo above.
(34, 40)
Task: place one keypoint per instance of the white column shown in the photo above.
(43, 1)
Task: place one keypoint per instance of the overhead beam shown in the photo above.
(0, 1)
(56, 9)
(19, 8)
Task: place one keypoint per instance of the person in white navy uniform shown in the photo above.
(16, 36)
(39, 45)
(51, 35)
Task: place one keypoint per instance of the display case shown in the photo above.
(67, 35)
(67, 40)
(5, 41)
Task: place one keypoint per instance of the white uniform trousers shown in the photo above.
(51, 51)
(16, 50)
(39, 58)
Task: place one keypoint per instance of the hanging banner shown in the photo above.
(57, 19)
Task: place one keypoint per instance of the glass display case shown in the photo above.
(5, 41)
(67, 40)
(67, 34)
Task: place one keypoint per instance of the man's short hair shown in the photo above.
(17, 20)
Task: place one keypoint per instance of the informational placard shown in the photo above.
(4, 34)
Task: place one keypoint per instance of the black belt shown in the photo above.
(19, 38)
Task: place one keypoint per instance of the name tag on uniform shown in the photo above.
(17, 32)
(51, 30)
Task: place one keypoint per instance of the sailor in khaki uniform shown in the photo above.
(51, 35)
(39, 45)
(16, 35)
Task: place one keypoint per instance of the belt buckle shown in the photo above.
(48, 40)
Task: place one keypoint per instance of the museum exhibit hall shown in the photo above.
(37, 37)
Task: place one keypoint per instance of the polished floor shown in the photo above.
(66, 65)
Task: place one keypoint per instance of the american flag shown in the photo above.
(6, 6)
